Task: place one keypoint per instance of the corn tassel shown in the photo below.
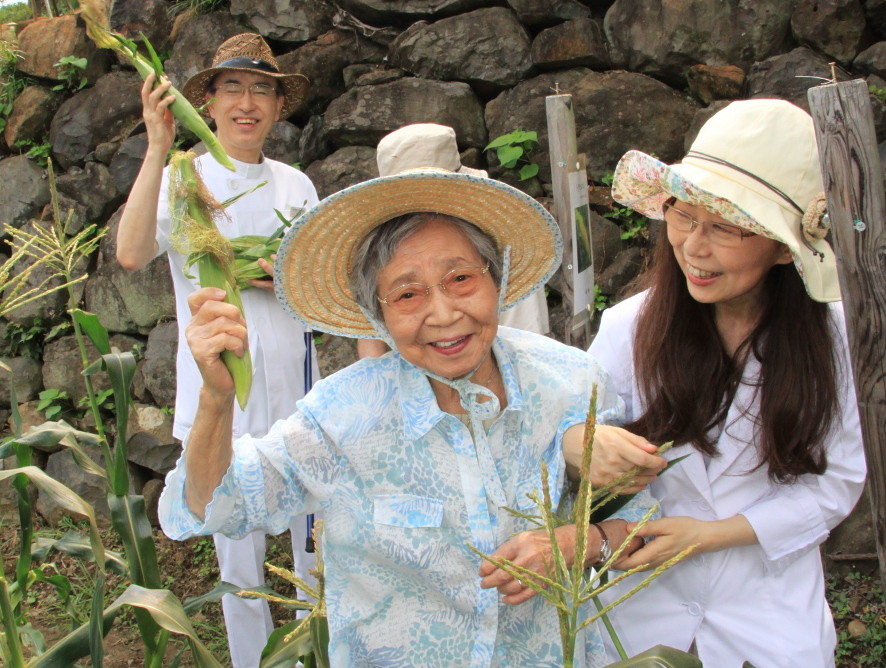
(98, 29)
(195, 234)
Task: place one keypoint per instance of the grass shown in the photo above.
(859, 613)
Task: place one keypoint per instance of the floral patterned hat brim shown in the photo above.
(644, 184)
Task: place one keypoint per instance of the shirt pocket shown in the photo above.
(407, 510)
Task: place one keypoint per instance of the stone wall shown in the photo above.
(643, 74)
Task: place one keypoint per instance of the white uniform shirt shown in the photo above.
(276, 340)
(762, 603)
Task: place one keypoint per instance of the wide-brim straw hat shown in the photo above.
(248, 52)
(314, 262)
(756, 164)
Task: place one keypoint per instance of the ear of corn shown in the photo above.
(98, 29)
(195, 234)
(249, 248)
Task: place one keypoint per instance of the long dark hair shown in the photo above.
(688, 379)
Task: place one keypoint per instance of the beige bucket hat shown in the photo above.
(420, 145)
(248, 52)
(756, 164)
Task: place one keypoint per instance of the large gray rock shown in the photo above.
(282, 143)
(31, 114)
(132, 302)
(127, 161)
(91, 488)
(577, 43)
(159, 366)
(614, 112)
(548, 12)
(488, 48)
(345, 167)
(335, 353)
(314, 144)
(286, 21)
(777, 76)
(26, 378)
(62, 364)
(23, 190)
(323, 61)
(45, 41)
(93, 187)
(151, 17)
(109, 110)
(365, 114)
(833, 27)
(872, 60)
(606, 241)
(405, 12)
(197, 40)
(150, 442)
(663, 39)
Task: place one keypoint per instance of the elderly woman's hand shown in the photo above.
(215, 326)
(616, 451)
(532, 550)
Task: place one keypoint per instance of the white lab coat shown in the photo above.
(762, 603)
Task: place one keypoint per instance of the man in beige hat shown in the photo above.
(246, 94)
(431, 145)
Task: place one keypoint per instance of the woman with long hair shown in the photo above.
(737, 352)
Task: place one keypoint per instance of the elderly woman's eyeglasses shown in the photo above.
(235, 89)
(456, 283)
(721, 234)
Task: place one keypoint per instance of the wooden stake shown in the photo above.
(853, 183)
(562, 146)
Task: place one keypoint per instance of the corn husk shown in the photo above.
(195, 235)
(98, 29)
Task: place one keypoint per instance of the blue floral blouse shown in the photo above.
(401, 489)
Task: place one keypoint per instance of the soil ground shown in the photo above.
(190, 569)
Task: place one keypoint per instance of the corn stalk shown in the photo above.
(569, 588)
(98, 29)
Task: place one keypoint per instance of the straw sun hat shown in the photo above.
(755, 163)
(312, 270)
(248, 52)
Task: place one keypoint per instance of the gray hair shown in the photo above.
(379, 246)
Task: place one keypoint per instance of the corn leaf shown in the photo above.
(660, 656)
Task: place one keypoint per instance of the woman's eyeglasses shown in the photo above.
(721, 234)
(456, 283)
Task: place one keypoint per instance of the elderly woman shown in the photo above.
(415, 455)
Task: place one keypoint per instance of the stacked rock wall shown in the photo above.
(643, 74)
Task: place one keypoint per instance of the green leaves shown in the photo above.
(512, 151)
(660, 656)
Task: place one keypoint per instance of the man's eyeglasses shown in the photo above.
(721, 234)
(236, 89)
(456, 283)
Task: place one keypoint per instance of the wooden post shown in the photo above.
(562, 146)
(853, 183)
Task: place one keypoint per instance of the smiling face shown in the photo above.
(448, 336)
(731, 278)
(243, 121)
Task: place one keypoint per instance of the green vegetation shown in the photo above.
(40, 152)
(17, 12)
(72, 72)
(878, 92)
(857, 604)
(512, 151)
(601, 301)
(634, 226)
(21, 340)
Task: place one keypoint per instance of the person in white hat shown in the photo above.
(419, 454)
(422, 145)
(247, 93)
(738, 353)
